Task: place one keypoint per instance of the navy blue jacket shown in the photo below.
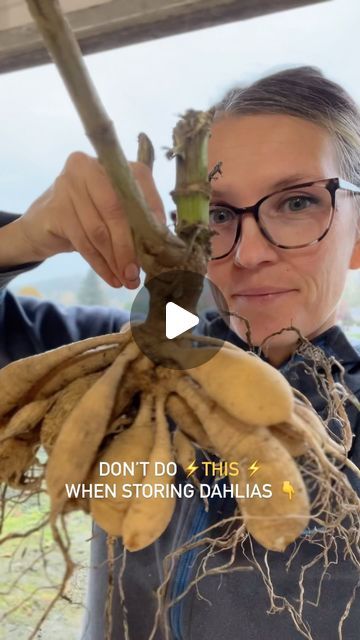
(230, 606)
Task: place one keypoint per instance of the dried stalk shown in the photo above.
(146, 153)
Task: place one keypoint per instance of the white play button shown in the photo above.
(178, 320)
(155, 327)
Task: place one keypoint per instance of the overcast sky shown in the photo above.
(145, 86)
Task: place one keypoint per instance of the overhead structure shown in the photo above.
(106, 24)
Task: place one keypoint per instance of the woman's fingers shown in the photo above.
(83, 245)
(103, 217)
(91, 226)
(82, 212)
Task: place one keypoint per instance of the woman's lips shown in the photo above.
(262, 294)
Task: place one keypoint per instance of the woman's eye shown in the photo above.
(298, 203)
(221, 215)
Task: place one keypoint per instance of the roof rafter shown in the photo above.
(106, 24)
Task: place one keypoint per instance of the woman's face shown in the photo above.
(258, 152)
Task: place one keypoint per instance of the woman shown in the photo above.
(292, 128)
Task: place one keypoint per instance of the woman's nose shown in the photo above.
(253, 248)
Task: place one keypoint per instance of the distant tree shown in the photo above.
(91, 290)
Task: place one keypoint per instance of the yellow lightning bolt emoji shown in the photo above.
(253, 468)
(288, 488)
(191, 468)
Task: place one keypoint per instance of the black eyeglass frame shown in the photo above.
(331, 184)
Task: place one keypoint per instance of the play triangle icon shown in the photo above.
(178, 320)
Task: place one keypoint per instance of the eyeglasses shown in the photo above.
(292, 218)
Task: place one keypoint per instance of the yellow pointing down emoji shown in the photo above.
(288, 489)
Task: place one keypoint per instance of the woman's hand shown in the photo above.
(81, 212)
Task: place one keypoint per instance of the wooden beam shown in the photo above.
(108, 24)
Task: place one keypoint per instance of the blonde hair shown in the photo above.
(306, 93)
